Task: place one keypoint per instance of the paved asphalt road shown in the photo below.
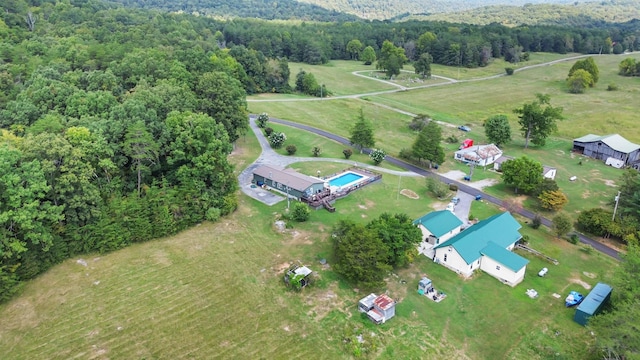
(461, 186)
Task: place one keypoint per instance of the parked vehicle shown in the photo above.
(455, 200)
(451, 207)
(543, 272)
(464, 128)
(574, 298)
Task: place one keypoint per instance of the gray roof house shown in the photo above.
(288, 181)
(608, 146)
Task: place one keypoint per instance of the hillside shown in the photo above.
(262, 9)
(332, 10)
(590, 14)
(371, 9)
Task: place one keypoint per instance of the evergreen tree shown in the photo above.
(428, 144)
(362, 133)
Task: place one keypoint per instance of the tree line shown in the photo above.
(108, 137)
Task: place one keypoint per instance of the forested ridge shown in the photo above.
(116, 123)
(373, 9)
(588, 14)
(261, 9)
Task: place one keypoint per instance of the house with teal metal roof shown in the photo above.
(487, 246)
(437, 227)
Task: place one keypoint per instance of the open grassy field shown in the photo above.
(598, 111)
(216, 291)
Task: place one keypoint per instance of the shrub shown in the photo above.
(574, 239)
(452, 139)
(277, 139)
(509, 70)
(291, 149)
(587, 248)
(437, 187)
(213, 214)
(377, 155)
(301, 212)
(268, 131)
(229, 204)
(262, 120)
(347, 153)
(419, 122)
(316, 151)
(406, 154)
(595, 221)
(612, 87)
(453, 187)
(536, 222)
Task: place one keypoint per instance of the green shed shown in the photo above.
(592, 304)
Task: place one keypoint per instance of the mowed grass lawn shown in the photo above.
(215, 291)
(597, 111)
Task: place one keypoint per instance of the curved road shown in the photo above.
(461, 186)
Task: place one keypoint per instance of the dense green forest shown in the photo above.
(588, 14)
(261, 9)
(372, 9)
(117, 122)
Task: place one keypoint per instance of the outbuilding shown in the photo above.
(288, 181)
(604, 147)
(593, 303)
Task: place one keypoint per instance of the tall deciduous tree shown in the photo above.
(368, 55)
(617, 335)
(197, 154)
(361, 256)
(629, 203)
(561, 225)
(428, 144)
(423, 65)
(391, 58)
(522, 173)
(224, 99)
(362, 133)
(354, 47)
(538, 120)
(399, 235)
(498, 130)
(141, 148)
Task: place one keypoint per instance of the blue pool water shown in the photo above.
(345, 179)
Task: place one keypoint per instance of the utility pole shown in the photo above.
(615, 208)
(398, 195)
(288, 195)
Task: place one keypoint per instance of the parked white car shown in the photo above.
(543, 272)
(451, 206)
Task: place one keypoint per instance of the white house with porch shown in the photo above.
(479, 155)
(437, 227)
(487, 246)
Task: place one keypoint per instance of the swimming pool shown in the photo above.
(344, 179)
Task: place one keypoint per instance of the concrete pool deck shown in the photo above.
(272, 158)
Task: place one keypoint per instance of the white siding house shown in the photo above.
(480, 155)
(437, 227)
(486, 246)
